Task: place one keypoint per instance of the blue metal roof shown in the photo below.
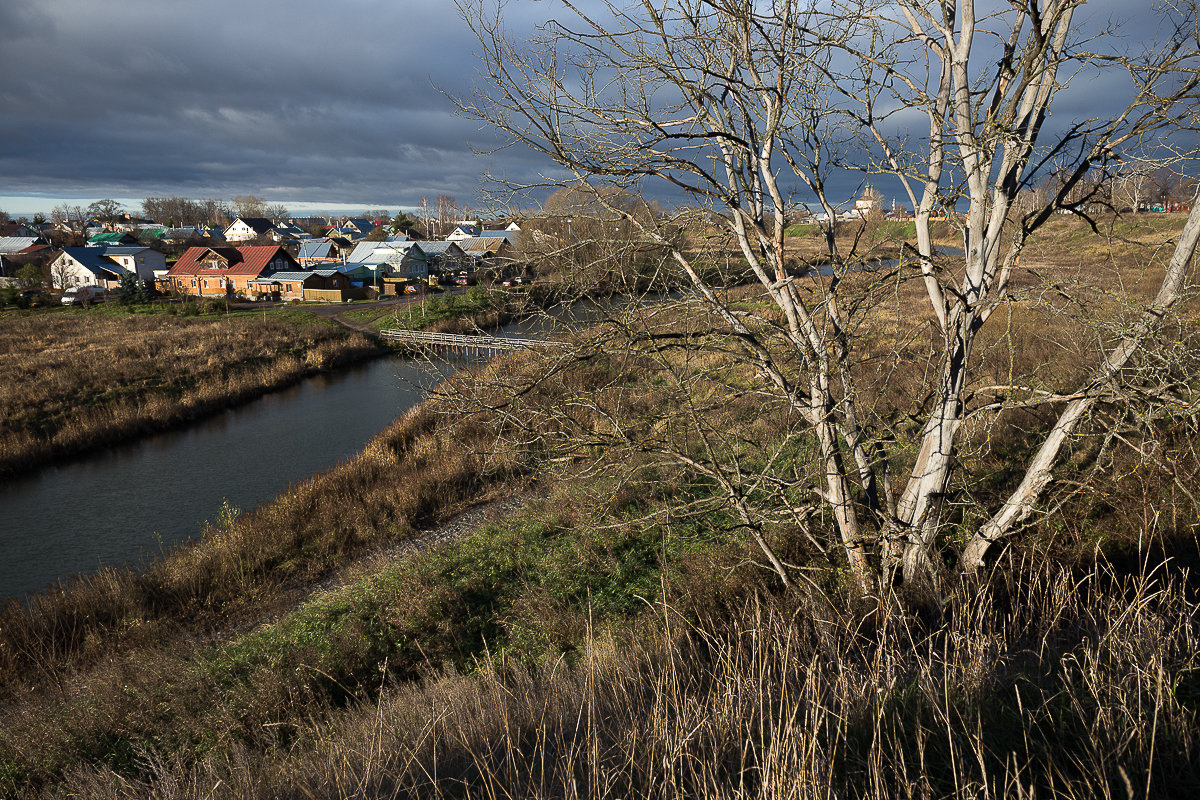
(92, 259)
(316, 249)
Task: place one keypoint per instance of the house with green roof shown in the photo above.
(113, 238)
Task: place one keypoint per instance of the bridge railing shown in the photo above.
(457, 340)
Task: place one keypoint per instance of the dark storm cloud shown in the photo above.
(299, 100)
(296, 101)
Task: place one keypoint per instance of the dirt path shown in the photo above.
(335, 312)
(380, 557)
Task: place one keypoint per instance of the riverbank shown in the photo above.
(608, 626)
(617, 636)
(79, 380)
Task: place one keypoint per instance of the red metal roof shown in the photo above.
(242, 260)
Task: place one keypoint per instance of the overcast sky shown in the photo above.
(300, 101)
(314, 105)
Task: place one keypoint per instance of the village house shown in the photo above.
(318, 284)
(387, 266)
(104, 265)
(318, 252)
(244, 229)
(464, 230)
(227, 271)
(487, 251)
(11, 246)
(444, 256)
(354, 228)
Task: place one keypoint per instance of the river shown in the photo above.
(127, 503)
(124, 503)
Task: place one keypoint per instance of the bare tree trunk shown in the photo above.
(1038, 473)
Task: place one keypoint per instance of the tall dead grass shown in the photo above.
(1041, 683)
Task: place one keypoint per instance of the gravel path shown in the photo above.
(456, 527)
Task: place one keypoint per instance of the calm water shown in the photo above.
(126, 503)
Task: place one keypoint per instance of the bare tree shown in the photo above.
(738, 104)
(1131, 184)
(249, 206)
(216, 212)
(106, 211)
(445, 213)
(61, 275)
(175, 211)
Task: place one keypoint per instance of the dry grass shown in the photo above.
(1040, 684)
(246, 567)
(70, 382)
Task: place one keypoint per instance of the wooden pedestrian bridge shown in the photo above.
(456, 341)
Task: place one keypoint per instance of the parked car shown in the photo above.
(77, 295)
(463, 279)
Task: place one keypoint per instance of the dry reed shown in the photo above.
(1040, 683)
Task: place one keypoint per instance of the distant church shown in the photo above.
(870, 201)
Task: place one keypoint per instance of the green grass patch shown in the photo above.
(421, 314)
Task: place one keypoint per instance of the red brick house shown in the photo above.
(226, 271)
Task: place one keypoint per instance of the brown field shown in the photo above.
(75, 380)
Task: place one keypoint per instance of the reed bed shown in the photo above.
(71, 382)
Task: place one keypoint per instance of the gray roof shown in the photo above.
(119, 249)
(479, 243)
(291, 276)
(181, 233)
(350, 266)
(364, 250)
(13, 244)
(376, 252)
(93, 260)
(316, 249)
(437, 248)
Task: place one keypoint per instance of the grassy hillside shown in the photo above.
(617, 636)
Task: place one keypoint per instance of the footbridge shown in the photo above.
(462, 342)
